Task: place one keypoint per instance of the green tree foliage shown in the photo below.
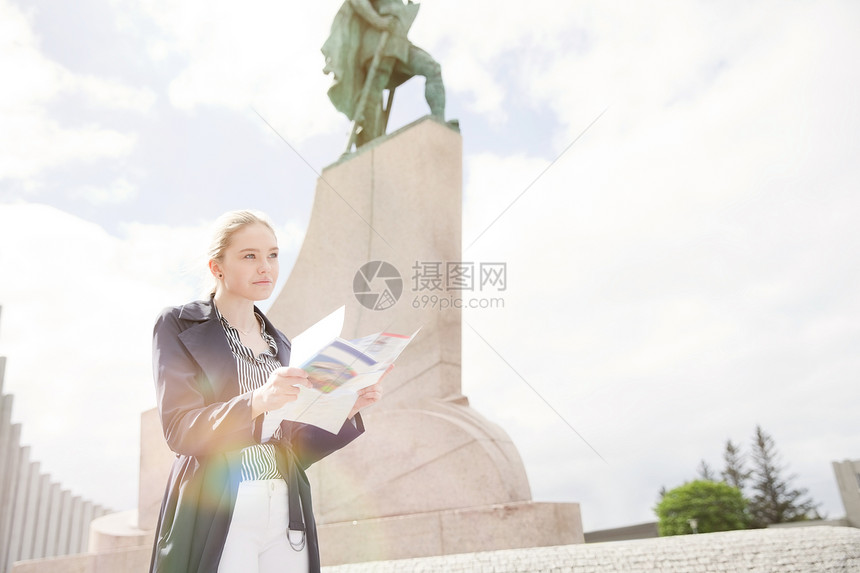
(714, 506)
(767, 496)
(774, 500)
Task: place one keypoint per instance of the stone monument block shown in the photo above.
(155, 462)
(431, 475)
(848, 480)
(385, 203)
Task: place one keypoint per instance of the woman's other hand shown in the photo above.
(369, 395)
(281, 388)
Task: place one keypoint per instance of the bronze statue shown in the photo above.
(368, 52)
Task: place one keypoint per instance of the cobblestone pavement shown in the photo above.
(784, 550)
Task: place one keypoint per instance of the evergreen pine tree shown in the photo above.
(774, 501)
(735, 474)
(705, 472)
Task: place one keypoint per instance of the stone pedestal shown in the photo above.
(398, 201)
(430, 476)
(156, 460)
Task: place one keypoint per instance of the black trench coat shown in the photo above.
(207, 422)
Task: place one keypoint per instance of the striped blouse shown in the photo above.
(258, 461)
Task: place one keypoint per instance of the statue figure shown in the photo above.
(368, 52)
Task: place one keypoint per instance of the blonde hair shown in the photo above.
(226, 226)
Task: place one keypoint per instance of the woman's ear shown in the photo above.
(215, 269)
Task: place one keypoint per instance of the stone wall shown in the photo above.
(794, 550)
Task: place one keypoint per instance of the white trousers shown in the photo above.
(257, 539)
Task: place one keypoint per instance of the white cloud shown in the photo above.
(161, 254)
(682, 273)
(110, 94)
(261, 56)
(266, 56)
(32, 143)
(492, 189)
(483, 48)
(32, 140)
(78, 308)
(689, 259)
(120, 191)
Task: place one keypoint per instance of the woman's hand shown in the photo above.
(282, 387)
(369, 395)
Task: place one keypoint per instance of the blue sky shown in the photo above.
(692, 258)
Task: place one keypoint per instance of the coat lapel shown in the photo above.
(284, 345)
(207, 344)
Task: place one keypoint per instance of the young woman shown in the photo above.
(237, 499)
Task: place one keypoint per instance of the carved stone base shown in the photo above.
(466, 530)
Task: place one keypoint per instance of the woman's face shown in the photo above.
(250, 264)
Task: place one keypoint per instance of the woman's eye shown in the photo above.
(273, 256)
(249, 256)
